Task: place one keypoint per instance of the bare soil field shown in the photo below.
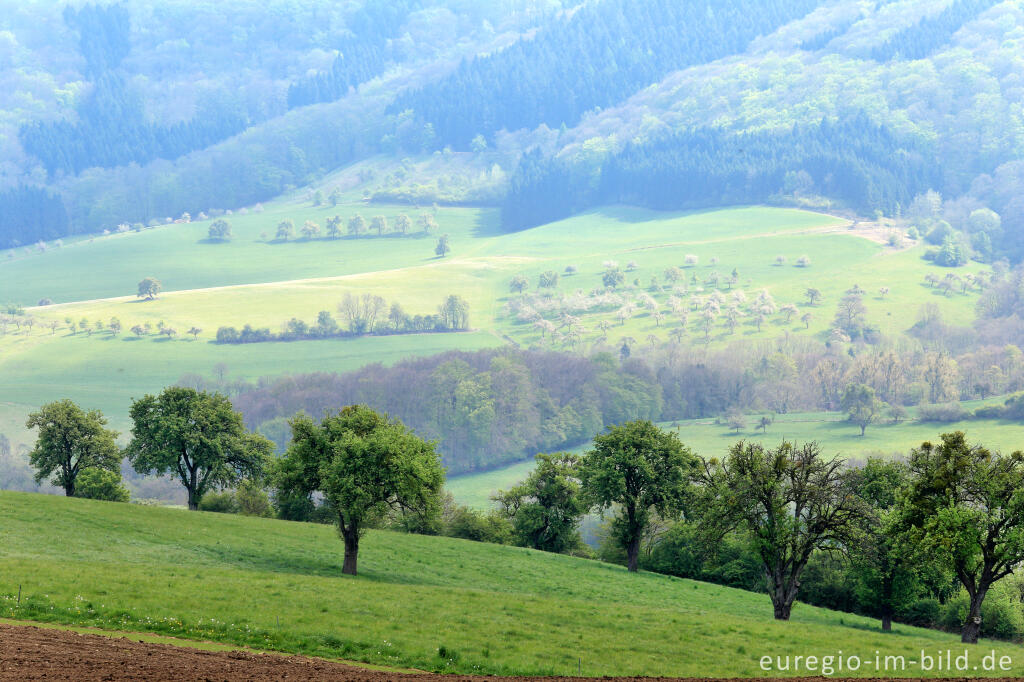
(31, 653)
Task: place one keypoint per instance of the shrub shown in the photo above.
(949, 412)
(923, 613)
(222, 502)
(1001, 617)
(101, 484)
(227, 335)
(253, 500)
(470, 524)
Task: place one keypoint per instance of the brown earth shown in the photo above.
(31, 653)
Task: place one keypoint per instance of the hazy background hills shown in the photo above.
(139, 111)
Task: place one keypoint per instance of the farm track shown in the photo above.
(31, 653)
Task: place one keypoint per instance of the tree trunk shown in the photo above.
(863, 427)
(972, 626)
(69, 489)
(351, 536)
(887, 590)
(782, 609)
(783, 594)
(193, 500)
(633, 553)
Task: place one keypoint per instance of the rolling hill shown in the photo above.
(423, 602)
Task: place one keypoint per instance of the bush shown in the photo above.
(101, 484)
(227, 335)
(923, 613)
(1001, 616)
(949, 412)
(222, 502)
(939, 233)
(253, 500)
(470, 524)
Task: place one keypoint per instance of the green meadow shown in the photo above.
(254, 279)
(428, 603)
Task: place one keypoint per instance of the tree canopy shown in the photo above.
(363, 463)
(197, 436)
(71, 441)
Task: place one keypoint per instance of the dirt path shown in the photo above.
(31, 653)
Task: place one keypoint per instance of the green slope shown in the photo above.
(277, 585)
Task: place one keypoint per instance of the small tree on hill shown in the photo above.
(861, 405)
(443, 247)
(70, 441)
(199, 437)
(149, 288)
(220, 230)
(285, 230)
(363, 463)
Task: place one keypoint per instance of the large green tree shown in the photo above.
(71, 441)
(546, 508)
(199, 437)
(363, 463)
(861, 405)
(790, 499)
(149, 288)
(966, 504)
(639, 469)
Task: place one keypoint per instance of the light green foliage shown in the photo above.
(861, 404)
(363, 463)
(967, 504)
(638, 469)
(101, 484)
(71, 441)
(149, 288)
(275, 585)
(546, 508)
(199, 437)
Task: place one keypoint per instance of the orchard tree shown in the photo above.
(356, 225)
(198, 436)
(402, 223)
(379, 223)
(613, 278)
(220, 230)
(547, 280)
(443, 246)
(518, 284)
(966, 505)
(70, 441)
(861, 405)
(546, 508)
(792, 502)
(149, 288)
(813, 295)
(363, 463)
(640, 470)
(285, 230)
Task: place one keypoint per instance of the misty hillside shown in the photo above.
(137, 112)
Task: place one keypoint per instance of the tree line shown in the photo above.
(360, 315)
(952, 512)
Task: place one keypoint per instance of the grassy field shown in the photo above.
(254, 279)
(277, 585)
(836, 436)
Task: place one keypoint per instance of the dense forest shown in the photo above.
(862, 164)
(604, 52)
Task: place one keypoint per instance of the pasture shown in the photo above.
(428, 603)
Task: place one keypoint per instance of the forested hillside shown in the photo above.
(137, 113)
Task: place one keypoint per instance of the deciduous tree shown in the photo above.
(70, 441)
(197, 436)
(363, 463)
